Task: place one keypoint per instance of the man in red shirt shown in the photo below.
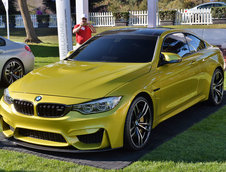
(83, 31)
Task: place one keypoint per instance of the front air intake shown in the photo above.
(41, 135)
(92, 138)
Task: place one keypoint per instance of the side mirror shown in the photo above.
(69, 53)
(171, 57)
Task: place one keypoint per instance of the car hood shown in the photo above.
(79, 79)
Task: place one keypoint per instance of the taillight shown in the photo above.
(27, 48)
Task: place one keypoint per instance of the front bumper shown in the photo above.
(83, 132)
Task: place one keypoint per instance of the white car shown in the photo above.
(16, 60)
(208, 5)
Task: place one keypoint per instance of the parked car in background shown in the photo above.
(196, 14)
(208, 5)
(16, 60)
(112, 91)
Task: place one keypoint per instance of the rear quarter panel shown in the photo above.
(212, 59)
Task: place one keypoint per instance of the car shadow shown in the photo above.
(120, 158)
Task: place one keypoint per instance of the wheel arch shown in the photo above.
(149, 99)
(219, 67)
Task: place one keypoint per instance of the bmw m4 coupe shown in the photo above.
(112, 91)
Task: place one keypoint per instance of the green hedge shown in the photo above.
(167, 15)
(218, 12)
(121, 15)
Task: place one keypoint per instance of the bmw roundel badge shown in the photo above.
(38, 98)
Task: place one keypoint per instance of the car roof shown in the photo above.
(211, 3)
(136, 31)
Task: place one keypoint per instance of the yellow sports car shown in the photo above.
(112, 91)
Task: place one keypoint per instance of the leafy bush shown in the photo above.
(167, 15)
(121, 16)
(43, 18)
(218, 12)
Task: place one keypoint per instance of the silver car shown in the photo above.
(16, 60)
(208, 5)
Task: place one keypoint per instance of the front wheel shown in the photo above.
(138, 124)
(12, 70)
(216, 88)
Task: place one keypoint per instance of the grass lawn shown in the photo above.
(200, 148)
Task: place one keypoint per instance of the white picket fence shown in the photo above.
(102, 19)
(52, 21)
(199, 16)
(140, 18)
(2, 24)
(20, 24)
(137, 18)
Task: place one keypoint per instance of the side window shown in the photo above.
(217, 5)
(195, 44)
(2, 42)
(210, 6)
(206, 6)
(176, 43)
(202, 6)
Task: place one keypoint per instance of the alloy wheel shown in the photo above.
(218, 87)
(139, 124)
(13, 70)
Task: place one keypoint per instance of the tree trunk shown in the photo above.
(30, 31)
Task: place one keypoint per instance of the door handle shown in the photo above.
(1, 51)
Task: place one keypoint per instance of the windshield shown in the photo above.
(117, 48)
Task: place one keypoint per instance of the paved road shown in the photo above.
(118, 159)
(213, 36)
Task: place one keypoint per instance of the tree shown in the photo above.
(30, 31)
(121, 5)
(52, 5)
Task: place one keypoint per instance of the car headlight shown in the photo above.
(7, 98)
(97, 106)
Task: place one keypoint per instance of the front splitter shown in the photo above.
(69, 149)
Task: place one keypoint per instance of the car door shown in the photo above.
(178, 81)
(198, 55)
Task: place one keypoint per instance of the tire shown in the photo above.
(138, 124)
(12, 70)
(216, 88)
